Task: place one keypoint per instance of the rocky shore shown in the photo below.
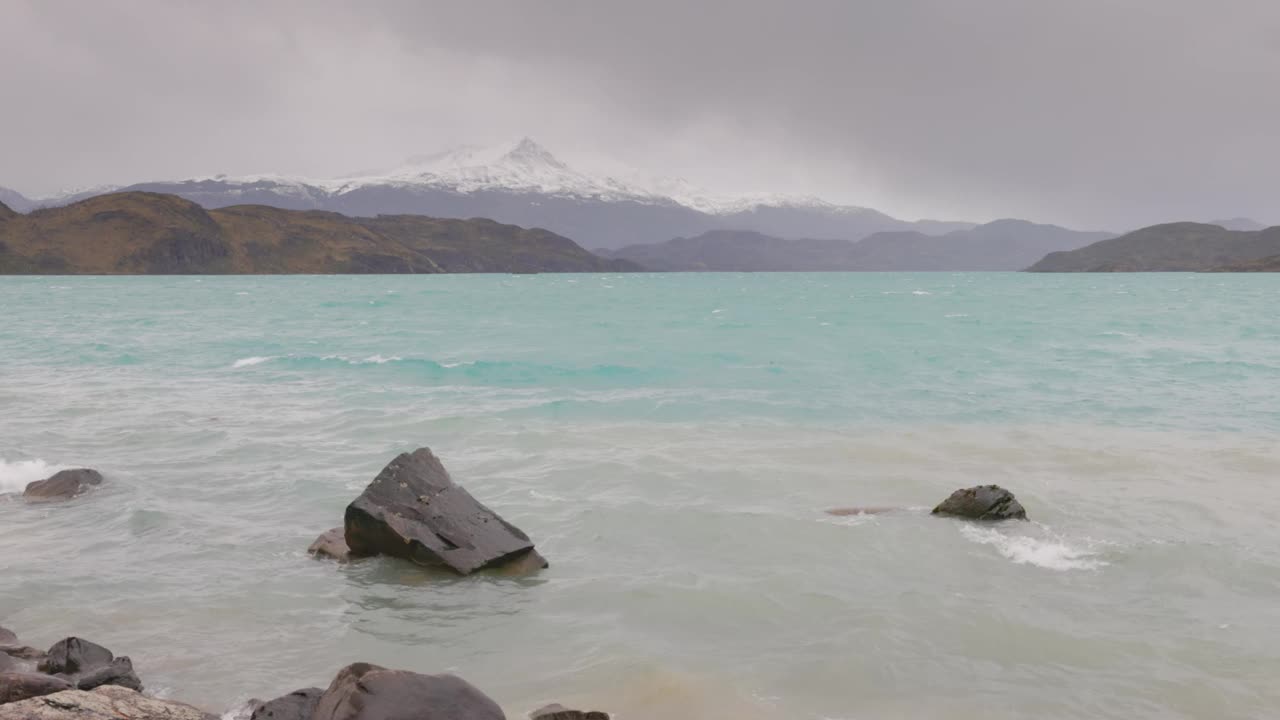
(76, 679)
(412, 511)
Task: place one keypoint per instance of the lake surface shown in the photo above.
(670, 442)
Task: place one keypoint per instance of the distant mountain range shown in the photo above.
(523, 184)
(999, 245)
(1173, 247)
(148, 233)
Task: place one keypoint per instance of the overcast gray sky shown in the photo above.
(1091, 113)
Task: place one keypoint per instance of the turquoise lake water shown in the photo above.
(670, 442)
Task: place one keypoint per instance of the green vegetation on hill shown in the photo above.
(150, 233)
(1173, 247)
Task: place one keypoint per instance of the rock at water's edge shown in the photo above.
(105, 703)
(414, 510)
(368, 692)
(985, 502)
(7, 637)
(559, 712)
(74, 655)
(332, 544)
(297, 705)
(89, 665)
(17, 686)
(63, 485)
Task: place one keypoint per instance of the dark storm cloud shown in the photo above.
(1100, 113)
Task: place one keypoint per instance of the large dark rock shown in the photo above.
(986, 502)
(297, 705)
(15, 686)
(74, 655)
(413, 510)
(7, 664)
(89, 665)
(332, 544)
(559, 712)
(7, 637)
(63, 485)
(368, 692)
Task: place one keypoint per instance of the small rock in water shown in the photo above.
(560, 712)
(297, 705)
(985, 502)
(368, 692)
(332, 544)
(7, 637)
(413, 510)
(63, 485)
(17, 686)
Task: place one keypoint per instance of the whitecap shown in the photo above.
(15, 476)
(921, 292)
(957, 315)
(242, 293)
(255, 360)
(1026, 550)
(717, 311)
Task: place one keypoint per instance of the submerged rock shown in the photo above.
(414, 510)
(985, 502)
(332, 544)
(297, 705)
(17, 686)
(63, 485)
(368, 692)
(105, 703)
(559, 712)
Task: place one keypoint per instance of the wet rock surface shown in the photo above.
(413, 510)
(63, 485)
(985, 502)
(17, 686)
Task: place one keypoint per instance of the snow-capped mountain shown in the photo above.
(524, 184)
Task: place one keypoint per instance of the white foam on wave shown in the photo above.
(15, 476)
(255, 360)
(1026, 550)
(921, 292)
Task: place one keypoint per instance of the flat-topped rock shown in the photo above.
(413, 510)
(108, 702)
(368, 692)
(985, 502)
(63, 485)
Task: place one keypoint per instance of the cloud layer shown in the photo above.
(1093, 113)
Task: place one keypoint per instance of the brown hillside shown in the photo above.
(149, 233)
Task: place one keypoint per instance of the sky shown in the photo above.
(1098, 114)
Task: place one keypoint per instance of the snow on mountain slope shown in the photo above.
(526, 166)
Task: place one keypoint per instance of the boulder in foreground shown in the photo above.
(559, 712)
(105, 703)
(414, 510)
(985, 502)
(368, 692)
(63, 485)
